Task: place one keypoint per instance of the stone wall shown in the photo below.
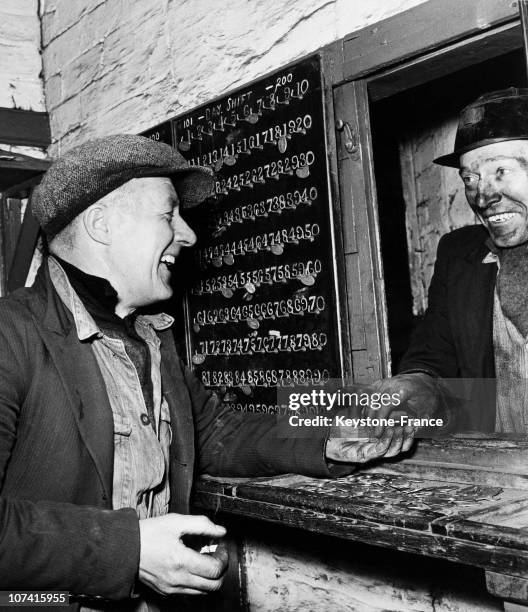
(125, 65)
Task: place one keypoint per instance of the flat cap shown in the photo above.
(92, 170)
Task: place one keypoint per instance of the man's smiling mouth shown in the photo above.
(499, 218)
(168, 260)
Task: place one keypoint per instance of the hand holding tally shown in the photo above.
(170, 567)
(345, 445)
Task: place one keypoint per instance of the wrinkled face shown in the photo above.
(496, 182)
(147, 235)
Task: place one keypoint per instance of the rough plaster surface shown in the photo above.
(297, 578)
(20, 61)
(125, 65)
(435, 203)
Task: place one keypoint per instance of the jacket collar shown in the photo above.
(77, 368)
(482, 245)
(57, 318)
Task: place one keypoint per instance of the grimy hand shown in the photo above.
(383, 442)
(170, 567)
(418, 392)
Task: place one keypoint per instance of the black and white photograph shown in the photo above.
(264, 305)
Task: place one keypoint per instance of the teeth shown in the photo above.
(168, 259)
(501, 217)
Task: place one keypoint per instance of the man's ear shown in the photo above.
(95, 221)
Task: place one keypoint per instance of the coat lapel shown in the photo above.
(82, 380)
(474, 285)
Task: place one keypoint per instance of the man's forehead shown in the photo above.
(156, 190)
(498, 151)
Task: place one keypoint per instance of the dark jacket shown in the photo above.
(455, 337)
(57, 529)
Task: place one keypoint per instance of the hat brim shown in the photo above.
(193, 184)
(452, 160)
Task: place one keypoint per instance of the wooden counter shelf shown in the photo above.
(463, 500)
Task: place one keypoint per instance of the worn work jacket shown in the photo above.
(57, 528)
(455, 337)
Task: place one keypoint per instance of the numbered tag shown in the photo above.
(303, 172)
(307, 279)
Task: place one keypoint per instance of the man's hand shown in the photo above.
(168, 566)
(383, 442)
(418, 393)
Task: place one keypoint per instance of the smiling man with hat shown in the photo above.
(102, 428)
(476, 323)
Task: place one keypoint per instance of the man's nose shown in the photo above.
(183, 234)
(486, 195)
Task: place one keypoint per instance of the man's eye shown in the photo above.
(470, 180)
(503, 171)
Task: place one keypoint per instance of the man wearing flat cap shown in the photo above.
(476, 323)
(102, 428)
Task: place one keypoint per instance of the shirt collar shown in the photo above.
(493, 255)
(84, 323)
(491, 258)
(86, 326)
(159, 321)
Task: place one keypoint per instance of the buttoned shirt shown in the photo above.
(141, 448)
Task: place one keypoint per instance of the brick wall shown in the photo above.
(125, 65)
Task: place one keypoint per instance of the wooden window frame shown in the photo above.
(368, 65)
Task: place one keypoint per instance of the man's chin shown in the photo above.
(508, 241)
(507, 237)
(164, 294)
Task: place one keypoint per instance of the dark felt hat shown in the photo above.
(494, 117)
(92, 170)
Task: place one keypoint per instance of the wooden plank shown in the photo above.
(444, 61)
(356, 313)
(331, 69)
(348, 218)
(423, 28)
(359, 209)
(408, 176)
(507, 587)
(27, 128)
(501, 453)
(514, 607)
(446, 472)
(351, 508)
(364, 371)
(494, 558)
(490, 535)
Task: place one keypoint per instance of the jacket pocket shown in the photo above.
(122, 425)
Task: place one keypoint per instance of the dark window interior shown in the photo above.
(390, 117)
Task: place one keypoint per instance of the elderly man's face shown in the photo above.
(496, 182)
(148, 234)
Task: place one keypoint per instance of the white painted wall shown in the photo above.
(21, 85)
(125, 65)
(20, 61)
